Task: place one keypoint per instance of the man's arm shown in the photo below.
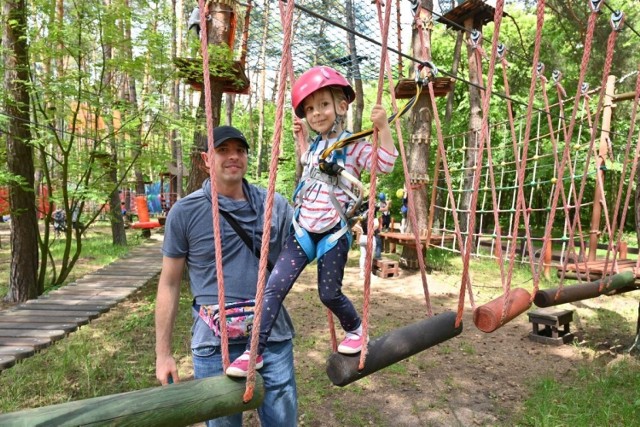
(166, 310)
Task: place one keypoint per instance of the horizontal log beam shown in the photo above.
(571, 293)
(393, 347)
(174, 405)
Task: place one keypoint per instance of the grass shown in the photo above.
(115, 354)
(602, 396)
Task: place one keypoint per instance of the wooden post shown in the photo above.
(598, 197)
(623, 251)
(548, 255)
(180, 404)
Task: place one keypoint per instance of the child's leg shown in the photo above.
(290, 264)
(291, 261)
(330, 273)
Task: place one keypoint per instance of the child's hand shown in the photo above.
(379, 117)
(299, 127)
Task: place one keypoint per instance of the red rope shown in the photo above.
(606, 71)
(484, 136)
(204, 9)
(287, 19)
(634, 165)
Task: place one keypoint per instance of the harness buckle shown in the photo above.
(330, 168)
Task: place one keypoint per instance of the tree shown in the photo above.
(420, 122)
(24, 224)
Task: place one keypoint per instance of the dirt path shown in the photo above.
(472, 379)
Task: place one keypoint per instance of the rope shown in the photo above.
(212, 175)
(634, 166)
(273, 167)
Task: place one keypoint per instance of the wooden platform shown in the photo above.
(593, 270)
(555, 325)
(34, 325)
(409, 257)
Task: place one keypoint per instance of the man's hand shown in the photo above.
(166, 370)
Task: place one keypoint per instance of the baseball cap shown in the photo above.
(225, 133)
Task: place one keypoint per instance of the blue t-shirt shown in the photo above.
(189, 234)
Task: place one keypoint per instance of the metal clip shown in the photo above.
(595, 5)
(617, 19)
(433, 72)
(540, 69)
(502, 50)
(584, 88)
(475, 38)
(556, 76)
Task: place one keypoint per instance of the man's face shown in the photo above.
(230, 159)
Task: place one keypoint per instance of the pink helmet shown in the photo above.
(316, 78)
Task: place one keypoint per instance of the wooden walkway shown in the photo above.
(36, 324)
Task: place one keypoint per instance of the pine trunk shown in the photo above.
(23, 283)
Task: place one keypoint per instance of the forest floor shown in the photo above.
(473, 379)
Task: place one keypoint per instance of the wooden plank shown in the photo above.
(79, 321)
(6, 361)
(36, 343)
(52, 305)
(18, 352)
(131, 287)
(53, 334)
(26, 324)
(51, 313)
(57, 298)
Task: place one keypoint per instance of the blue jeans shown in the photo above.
(280, 405)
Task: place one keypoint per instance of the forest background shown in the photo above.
(106, 110)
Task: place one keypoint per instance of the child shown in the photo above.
(322, 96)
(385, 210)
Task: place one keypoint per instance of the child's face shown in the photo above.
(320, 110)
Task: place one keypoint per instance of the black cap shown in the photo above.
(225, 133)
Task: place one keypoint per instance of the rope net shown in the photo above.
(521, 190)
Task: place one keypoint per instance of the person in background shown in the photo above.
(385, 210)
(189, 242)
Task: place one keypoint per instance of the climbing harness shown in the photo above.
(331, 172)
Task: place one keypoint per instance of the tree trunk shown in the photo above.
(354, 70)
(421, 117)
(260, 149)
(118, 234)
(216, 35)
(23, 283)
(454, 72)
(176, 142)
(475, 124)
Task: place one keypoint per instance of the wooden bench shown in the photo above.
(552, 319)
(386, 268)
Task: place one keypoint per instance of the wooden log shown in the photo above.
(488, 317)
(173, 405)
(393, 347)
(550, 297)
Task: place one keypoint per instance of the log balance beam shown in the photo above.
(173, 405)
(618, 283)
(342, 369)
(490, 317)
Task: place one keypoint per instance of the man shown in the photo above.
(189, 241)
